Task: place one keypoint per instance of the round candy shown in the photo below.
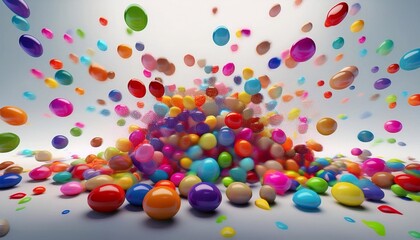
(268, 193)
(187, 183)
(383, 179)
(204, 197)
(233, 120)
(161, 203)
(303, 50)
(326, 126)
(365, 136)
(277, 180)
(207, 141)
(393, 126)
(239, 193)
(208, 170)
(106, 198)
(136, 88)
(9, 180)
(221, 36)
(135, 17)
(61, 107)
(306, 198)
(4, 227)
(136, 193)
(373, 165)
(60, 142)
(348, 194)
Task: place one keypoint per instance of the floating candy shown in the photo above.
(47, 33)
(19, 7)
(307, 27)
(274, 10)
(365, 136)
(336, 14)
(204, 197)
(221, 36)
(103, 21)
(59, 142)
(414, 100)
(228, 69)
(98, 72)
(393, 126)
(135, 17)
(102, 45)
(156, 88)
(306, 199)
(20, 23)
(63, 77)
(385, 48)
(13, 115)
(357, 26)
(161, 203)
(8, 142)
(31, 45)
(303, 50)
(136, 88)
(263, 47)
(382, 83)
(106, 198)
(61, 107)
(341, 80)
(338, 43)
(354, 9)
(410, 60)
(326, 126)
(124, 51)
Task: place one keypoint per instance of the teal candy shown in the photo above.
(338, 43)
(63, 77)
(161, 109)
(158, 175)
(252, 86)
(194, 152)
(410, 60)
(306, 198)
(350, 178)
(238, 174)
(20, 23)
(208, 170)
(247, 164)
(62, 177)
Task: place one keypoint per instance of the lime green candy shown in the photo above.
(317, 184)
(398, 190)
(135, 17)
(8, 142)
(76, 132)
(224, 160)
(227, 181)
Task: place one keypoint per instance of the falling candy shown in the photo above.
(378, 227)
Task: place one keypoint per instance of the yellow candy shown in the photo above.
(181, 89)
(97, 181)
(228, 232)
(167, 101)
(262, 203)
(51, 83)
(211, 121)
(123, 144)
(293, 114)
(244, 97)
(348, 194)
(177, 101)
(275, 92)
(174, 111)
(111, 152)
(247, 73)
(357, 26)
(292, 174)
(133, 128)
(188, 102)
(238, 34)
(185, 163)
(124, 180)
(207, 141)
(301, 180)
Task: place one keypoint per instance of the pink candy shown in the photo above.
(373, 165)
(277, 180)
(72, 188)
(40, 173)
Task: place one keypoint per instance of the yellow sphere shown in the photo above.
(207, 141)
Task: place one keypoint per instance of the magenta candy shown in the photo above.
(71, 188)
(228, 69)
(373, 165)
(61, 107)
(408, 182)
(144, 153)
(278, 136)
(122, 110)
(356, 151)
(245, 134)
(176, 178)
(393, 126)
(137, 137)
(303, 50)
(40, 173)
(277, 180)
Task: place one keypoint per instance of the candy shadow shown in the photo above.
(37, 181)
(356, 208)
(199, 214)
(308, 210)
(132, 208)
(160, 224)
(8, 188)
(99, 215)
(245, 205)
(378, 201)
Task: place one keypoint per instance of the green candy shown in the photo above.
(398, 190)
(8, 142)
(227, 181)
(317, 184)
(224, 160)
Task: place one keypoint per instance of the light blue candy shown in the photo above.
(161, 109)
(350, 178)
(208, 170)
(410, 60)
(238, 174)
(306, 198)
(101, 44)
(20, 23)
(158, 175)
(252, 86)
(194, 152)
(247, 164)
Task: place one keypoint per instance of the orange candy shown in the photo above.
(13, 115)
(165, 183)
(288, 144)
(414, 100)
(161, 203)
(124, 51)
(243, 148)
(98, 72)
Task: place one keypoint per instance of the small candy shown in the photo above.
(72, 188)
(262, 203)
(39, 190)
(239, 193)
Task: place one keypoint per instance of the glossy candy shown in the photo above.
(238, 193)
(303, 50)
(326, 126)
(221, 36)
(39, 190)
(410, 60)
(59, 142)
(347, 194)
(383, 179)
(204, 197)
(307, 199)
(106, 198)
(135, 17)
(31, 45)
(365, 136)
(277, 180)
(318, 185)
(13, 115)
(4, 227)
(136, 193)
(336, 14)
(393, 126)
(8, 142)
(40, 173)
(71, 188)
(161, 203)
(136, 88)
(9, 180)
(408, 182)
(61, 107)
(370, 190)
(187, 183)
(268, 193)
(20, 23)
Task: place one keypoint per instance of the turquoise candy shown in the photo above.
(62, 177)
(208, 170)
(306, 198)
(238, 174)
(247, 164)
(410, 60)
(252, 86)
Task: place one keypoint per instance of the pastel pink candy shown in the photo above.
(71, 188)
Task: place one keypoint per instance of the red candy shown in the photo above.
(336, 14)
(408, 182)
(18, 195)
(136, 88)
(39, 190)
(233, 120)
(156, 88)
(78, 171)
(106, 198)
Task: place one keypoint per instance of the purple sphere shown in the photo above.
(204, 197)
(303, 50)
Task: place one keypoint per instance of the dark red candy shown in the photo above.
(156, 88)
(252, 177)
(233, 120)
(136, 88)
(336, 14)
(18, 195)
(408, 182)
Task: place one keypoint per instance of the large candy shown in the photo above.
(106, 198)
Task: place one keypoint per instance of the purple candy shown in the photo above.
(20, 7)
(204, 197)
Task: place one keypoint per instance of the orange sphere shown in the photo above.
(243, 148)
(161, 203)
(165, 183)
